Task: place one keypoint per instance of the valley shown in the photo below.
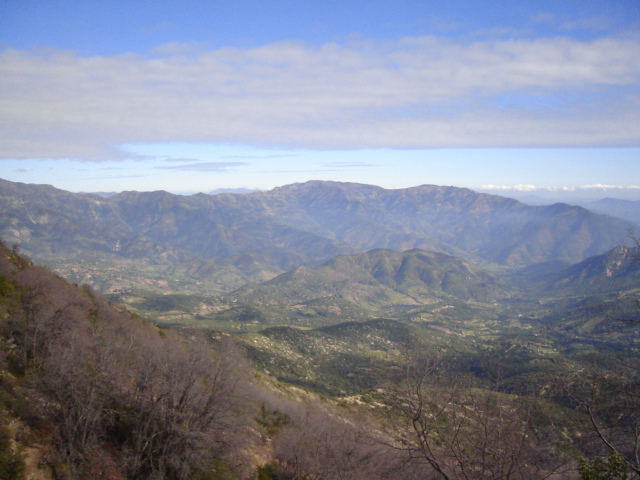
(341, 292)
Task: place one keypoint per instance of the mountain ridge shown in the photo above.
(379, 278)
(222, 241)
(615, 270)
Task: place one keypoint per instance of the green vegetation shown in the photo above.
(278, 353)
(613, 468)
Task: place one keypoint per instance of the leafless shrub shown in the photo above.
(451, 429)
(609, 398)
(319, 444)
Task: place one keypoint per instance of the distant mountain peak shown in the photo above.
(238, 239)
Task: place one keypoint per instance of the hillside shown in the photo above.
(89, 391)
(616, 270)
(628, 210)
(340, 359)
(377, 279)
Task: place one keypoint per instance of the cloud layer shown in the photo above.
(419, 92)
(204, 166)
(534, 188)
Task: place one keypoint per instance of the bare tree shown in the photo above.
(317, 442)
(610, 400)
(186, 408)
(455, 430)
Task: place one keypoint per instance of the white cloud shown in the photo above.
(610, 187)
(349, 165)
(515, 188)
(261, 157)
(181, 159)
(534, 188)
(204, 166)
(415, 92)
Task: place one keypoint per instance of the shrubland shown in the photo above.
(447, 389)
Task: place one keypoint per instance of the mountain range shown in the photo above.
(221, 242)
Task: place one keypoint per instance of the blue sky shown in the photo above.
(526, 96)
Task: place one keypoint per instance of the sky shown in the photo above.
(537, 97)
